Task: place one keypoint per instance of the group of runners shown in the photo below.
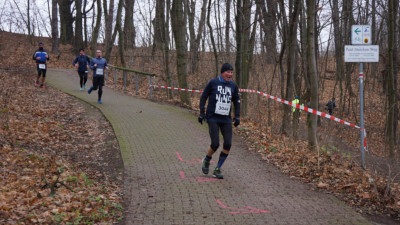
(220, 92)
(82, 62)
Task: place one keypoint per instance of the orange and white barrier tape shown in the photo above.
(298, 106)
(179, 89)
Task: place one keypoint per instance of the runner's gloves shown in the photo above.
(236, 122)
(201, 118)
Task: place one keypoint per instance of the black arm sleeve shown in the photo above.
(236, 102)
(203, 98)
(75, 61)
(33, 56)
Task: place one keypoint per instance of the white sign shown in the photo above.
(366, 53)
(361, 35)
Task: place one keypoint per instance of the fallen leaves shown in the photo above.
(50, 158)
(327, 170)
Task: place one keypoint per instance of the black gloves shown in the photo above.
(200, 119)
(236, 122)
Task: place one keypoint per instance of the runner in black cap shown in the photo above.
(41, 57)
(220, 92)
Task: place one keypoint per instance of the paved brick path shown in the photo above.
(162, 189)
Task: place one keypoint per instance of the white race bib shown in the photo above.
(222, 108)
(42, 66)
(99, 71)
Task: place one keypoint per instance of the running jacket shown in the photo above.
(83, 61)
(42, 54)
(101, 64)
(220, 94)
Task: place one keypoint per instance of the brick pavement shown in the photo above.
(159, 188)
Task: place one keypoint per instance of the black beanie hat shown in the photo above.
(226, 67)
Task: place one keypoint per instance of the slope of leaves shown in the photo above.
(328, 169)
(51, 167)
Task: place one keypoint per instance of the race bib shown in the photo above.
(99, 71)
(222, 108)
(86, 71)
(42, 66)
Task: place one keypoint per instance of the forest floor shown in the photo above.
(334, 168)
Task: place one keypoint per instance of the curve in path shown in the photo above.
(161, 148)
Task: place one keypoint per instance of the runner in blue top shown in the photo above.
(220, 92)
(98, 65)
(83, 67)
(41, 56)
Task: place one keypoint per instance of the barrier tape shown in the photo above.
(301, 107)
(179, 89)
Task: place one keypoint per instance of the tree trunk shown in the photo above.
(195, 39)
(374, 37)
(269, 28)
(338, 46)
(162, 27)
(78, 43)
(66, 20)
(158, 23)
(166, 42)
(291, 64)
(244, 44)
(28, 12)
(54, 27)
(129, 29)
(391, 120)
(95, 34)
(108, 32)
(85, 22)
(227, 26)
(312, 74)
(179, 31)
(121, 36)
(212, 37)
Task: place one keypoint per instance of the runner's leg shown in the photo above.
(81, 73)
(38, 76)
(85, 77)
(226, 130)
(101, 84)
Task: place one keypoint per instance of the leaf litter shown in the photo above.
(53, 166)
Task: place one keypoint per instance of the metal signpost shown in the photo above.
(361, 51)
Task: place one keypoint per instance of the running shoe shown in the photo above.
(205, 166)
(84, 87)
(90, 90)
(36, 84)
(81, 89)
(41, 86)
(99, 101)
(218, 174)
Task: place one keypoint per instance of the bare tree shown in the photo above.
(195, 39)
(212, 37)
(227, 26)
(66, 21)
(78, 43)
(54, 27)
(392, 108)
(129, 28)
(108, 31)
(179, 30)
(245, 38)
(312, 73)
(291, 61)
(96, 29)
